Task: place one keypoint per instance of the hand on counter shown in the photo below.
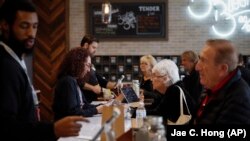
(68, 126)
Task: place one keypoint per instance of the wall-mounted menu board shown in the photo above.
(129, 20)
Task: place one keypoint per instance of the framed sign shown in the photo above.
(130, 20)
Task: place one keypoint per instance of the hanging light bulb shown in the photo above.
(106, 12)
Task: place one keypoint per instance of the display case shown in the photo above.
(112, 67)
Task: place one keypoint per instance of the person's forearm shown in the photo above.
(111, 85)
(96, 89)
(87, 86)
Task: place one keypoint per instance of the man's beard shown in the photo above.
(92, 54)
(20, 46)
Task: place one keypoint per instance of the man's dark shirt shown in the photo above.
(94, 79)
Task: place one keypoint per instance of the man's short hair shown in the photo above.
(225, 52)
(9, 9)
(88, 39)
(191, 55)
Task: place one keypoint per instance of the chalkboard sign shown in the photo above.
(129, 20)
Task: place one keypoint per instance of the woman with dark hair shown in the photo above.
(69, 99)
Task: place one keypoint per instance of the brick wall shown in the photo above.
(184, 32)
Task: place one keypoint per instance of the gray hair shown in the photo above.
(226, 52)
(190, 55)
(169, 68)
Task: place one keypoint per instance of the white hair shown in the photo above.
(169, 68)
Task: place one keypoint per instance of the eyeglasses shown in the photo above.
(158, 76)
(87, 65)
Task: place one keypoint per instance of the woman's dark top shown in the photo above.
(146, 84)
(149, 94)
(67, 100)
(169, 104)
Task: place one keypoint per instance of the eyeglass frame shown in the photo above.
(158, 76)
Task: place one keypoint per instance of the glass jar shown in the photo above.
(156, 129)
(152, 130)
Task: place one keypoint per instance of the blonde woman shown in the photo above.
(147, 93)
(147, 62)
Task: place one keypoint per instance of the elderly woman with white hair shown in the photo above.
(166, 80)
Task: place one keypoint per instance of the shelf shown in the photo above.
(113, 60)
(97, 60)
(112, 67)
(128, 60)
(105, 60)
(120, 60)
(121, 69)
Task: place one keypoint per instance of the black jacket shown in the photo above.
(245, 74)
(169, 105)
(67, 100)
(230, 105)
(17, 112)
(192, 85)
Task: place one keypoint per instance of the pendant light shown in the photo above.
(106, 12)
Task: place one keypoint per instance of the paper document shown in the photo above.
(89, 130)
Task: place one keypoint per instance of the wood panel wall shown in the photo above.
(51, 46)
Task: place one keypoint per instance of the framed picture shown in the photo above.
(129, 19)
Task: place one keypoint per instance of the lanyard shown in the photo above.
(22, 63)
